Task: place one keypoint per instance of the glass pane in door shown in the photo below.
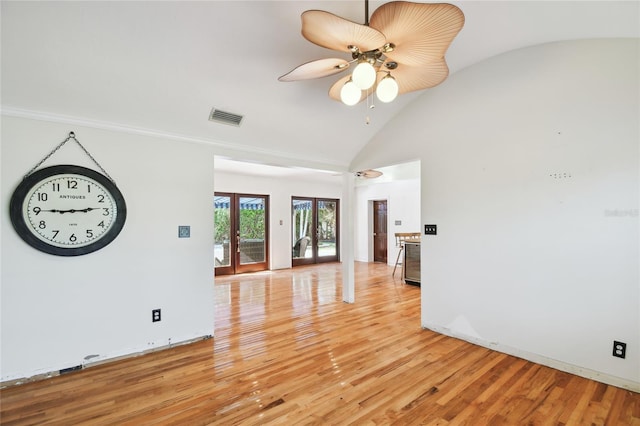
(252, 230)
(327, 230)
(302, 224)
(222, 226)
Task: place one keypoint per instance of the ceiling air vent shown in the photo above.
(225, 117)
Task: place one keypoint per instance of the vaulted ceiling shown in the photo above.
(160, 67)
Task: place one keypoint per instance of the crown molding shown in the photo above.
(236, 151)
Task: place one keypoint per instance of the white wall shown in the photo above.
(58, 310)
(280, 192)
(403, 204)
(526, 260)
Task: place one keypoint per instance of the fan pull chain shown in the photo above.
(370, 105)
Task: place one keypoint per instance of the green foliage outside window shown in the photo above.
(252, 224)
(222, 224)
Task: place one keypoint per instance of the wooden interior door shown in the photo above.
(380, 231)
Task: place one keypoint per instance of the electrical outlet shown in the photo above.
(155, 315)
(619, 349)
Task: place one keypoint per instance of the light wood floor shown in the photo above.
(288, 351)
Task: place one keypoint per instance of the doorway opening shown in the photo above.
(399, 186)
(241, 233)
(315, 230)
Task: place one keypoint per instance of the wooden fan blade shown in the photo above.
(421, 32)
(412, 78)
(316, 69)
(328, 30)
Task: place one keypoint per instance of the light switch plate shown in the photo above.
(184, 231)
(430, 229)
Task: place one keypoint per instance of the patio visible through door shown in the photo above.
(315, 230)
(241, 224)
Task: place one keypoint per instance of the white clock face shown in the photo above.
(69, 210)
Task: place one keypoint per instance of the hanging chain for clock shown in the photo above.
(71, 136)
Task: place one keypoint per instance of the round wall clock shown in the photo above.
(67, 210)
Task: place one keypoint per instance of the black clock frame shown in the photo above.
(19, 224)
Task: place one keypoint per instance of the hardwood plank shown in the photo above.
(287, 350)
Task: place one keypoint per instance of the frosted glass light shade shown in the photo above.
(364, 75)
(350, 93)
(387, 89)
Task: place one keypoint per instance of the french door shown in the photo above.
(315, 230)
(241, 233)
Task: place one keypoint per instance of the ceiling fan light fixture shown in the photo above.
(350, 94)
(408, 38)
(387, 89)
(364, 75)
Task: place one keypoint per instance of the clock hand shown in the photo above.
(88, 209)
(57, 211)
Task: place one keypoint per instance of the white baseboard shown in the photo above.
(540, 359)
(96, 360)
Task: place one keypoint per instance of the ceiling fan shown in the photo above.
(399, 50)
(368, 174)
